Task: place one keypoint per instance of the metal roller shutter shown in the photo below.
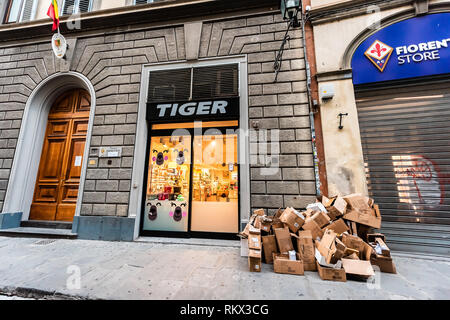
(405, 135)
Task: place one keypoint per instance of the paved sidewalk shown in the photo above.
(160, 270)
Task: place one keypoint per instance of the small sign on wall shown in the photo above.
(78, 161)
(110, 152)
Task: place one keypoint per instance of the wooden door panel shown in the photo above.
(43, 211)
(84, 103)
(65, 212)
(80, 127)
(75, 160)
(52, 159)
(59, 174)
(63, 105)
(47, 193)
(58, 128)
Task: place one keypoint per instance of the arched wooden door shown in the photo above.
(58, 180)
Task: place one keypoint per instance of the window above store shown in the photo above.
(20, 10)
(70, 7)
(199, 83)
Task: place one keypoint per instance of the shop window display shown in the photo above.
(167, 198)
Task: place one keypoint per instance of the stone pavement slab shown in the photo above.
(194, 270)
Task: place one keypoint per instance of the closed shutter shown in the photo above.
(405, 135)
(201, 83)
(84, 6)
(69, 6)
(28, 10)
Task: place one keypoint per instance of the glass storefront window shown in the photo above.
(167, 196)
(215, 189)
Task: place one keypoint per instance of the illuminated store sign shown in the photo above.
(193, 110)
(415, 47)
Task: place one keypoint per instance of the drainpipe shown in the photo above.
(311, 113)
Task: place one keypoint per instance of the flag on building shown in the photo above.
(53, 13)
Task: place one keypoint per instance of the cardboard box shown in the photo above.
(327, 246)
(284, 240)
(337, 208)
(264, 223)
(331, 274)
(244, 248)
(269, 247)
(312, 226)
(360, 268)
(321, 219)
(293, 219)
(282, 264)
(277, 224)
(305, 246)
(254, 260)
(254, 239)
(384, 263)
(322, 261)
(338, 226)
(361, 212)
(318, 206)
(353, 242)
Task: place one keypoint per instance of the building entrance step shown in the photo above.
(46, 224)
(26, 232)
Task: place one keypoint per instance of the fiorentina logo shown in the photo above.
(379, 54)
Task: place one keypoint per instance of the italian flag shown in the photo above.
(53, 13)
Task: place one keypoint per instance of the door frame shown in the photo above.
(143, 131)
(22, 181)
(188, 233)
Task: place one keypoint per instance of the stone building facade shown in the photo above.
(107, 57)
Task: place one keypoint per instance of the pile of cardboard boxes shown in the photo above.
(334, 237)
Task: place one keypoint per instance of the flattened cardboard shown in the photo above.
(305, 245)
(312, 226)
(338, 226)
(360, 268)
(244, 234)
(282, 264)
(284, 240)
(293, 219)
(269, 247)
(321, 219)
(254, 239)
(331, 274)
(254, 260)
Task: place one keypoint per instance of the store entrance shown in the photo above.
(192, 181)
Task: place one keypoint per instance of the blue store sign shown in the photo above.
(412, 48)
